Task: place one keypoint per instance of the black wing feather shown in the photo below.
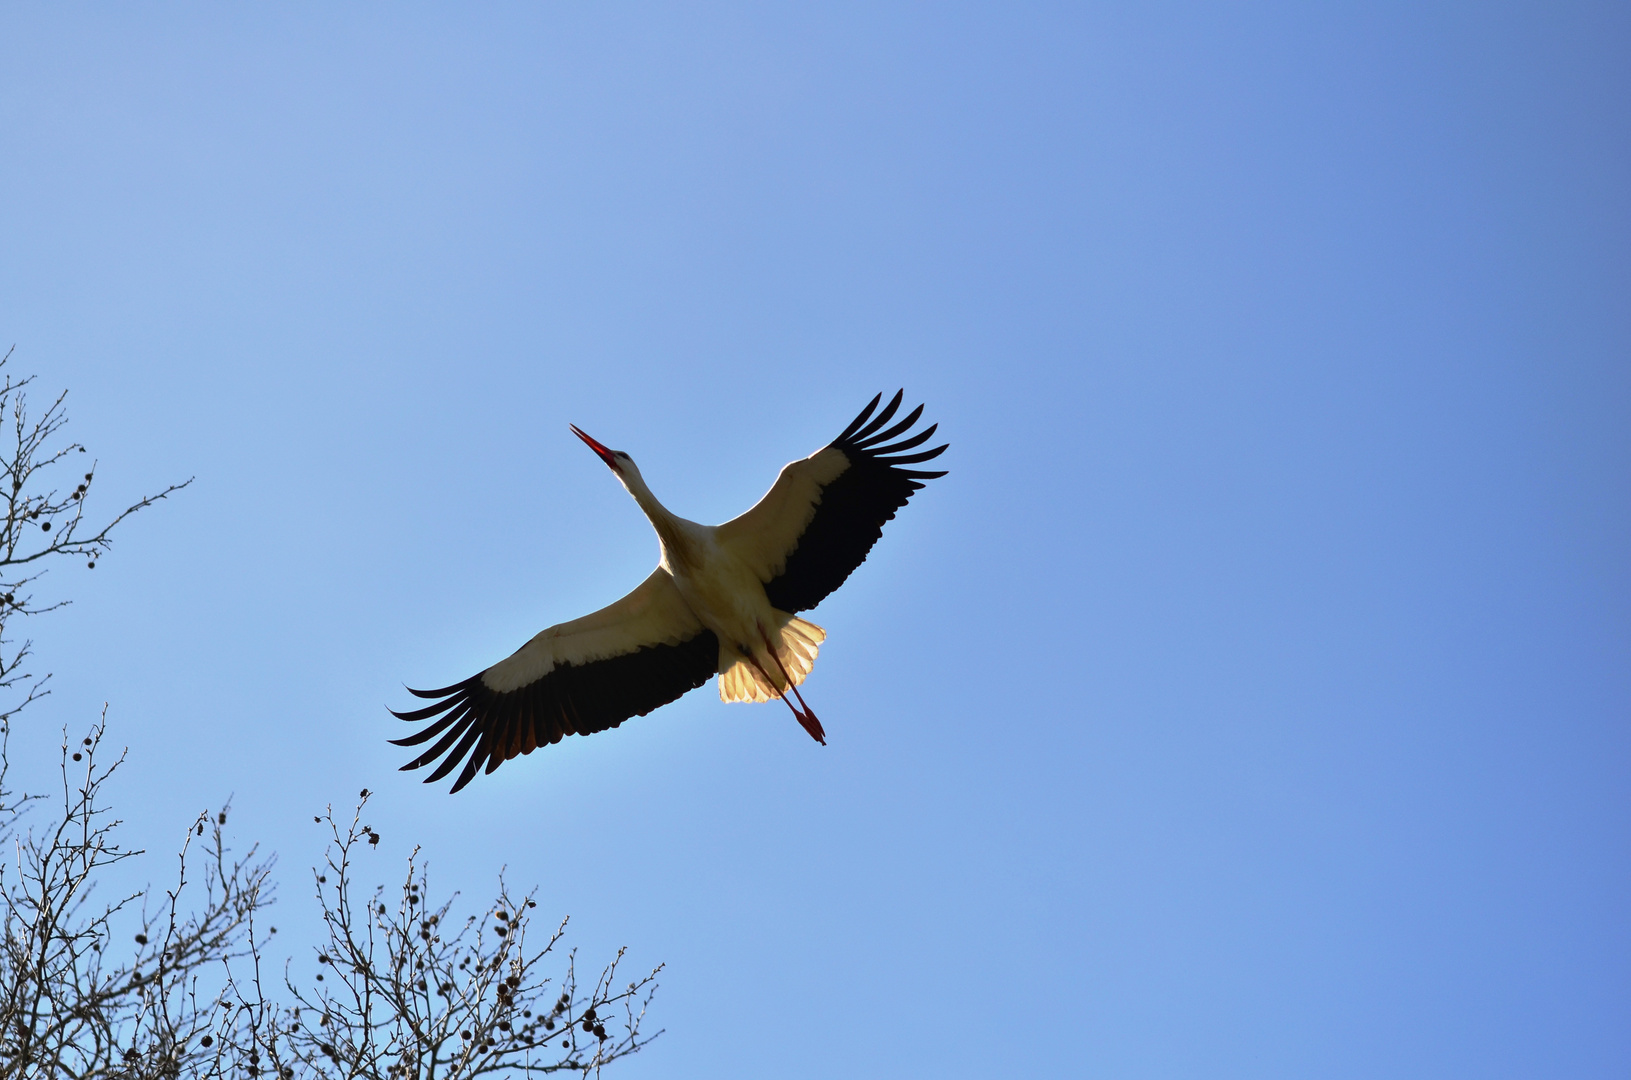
(426, 734)
(885, 436)
(855, 506)
(880, 420)
(855, 425)
(573, 699)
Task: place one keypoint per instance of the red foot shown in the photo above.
(812, 725)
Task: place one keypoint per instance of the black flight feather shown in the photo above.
(489, 727)
(854, 507)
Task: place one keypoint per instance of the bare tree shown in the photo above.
(403, 993)
(66, 1009)
(63, 1009)
(44, 523)
(412, 992)
(399, 993)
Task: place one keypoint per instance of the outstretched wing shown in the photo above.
(576, 678)
(822, 516)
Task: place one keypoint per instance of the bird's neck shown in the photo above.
(679, 549)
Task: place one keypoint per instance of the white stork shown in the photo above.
(720, 601)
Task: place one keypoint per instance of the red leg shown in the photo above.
(809, 712)
(806, 720)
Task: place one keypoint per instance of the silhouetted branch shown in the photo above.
(65, 1010)
(403, 992)
(406, 991)
(41, 521)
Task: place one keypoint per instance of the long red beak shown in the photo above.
(605, 454)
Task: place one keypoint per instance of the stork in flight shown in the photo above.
(721, 601)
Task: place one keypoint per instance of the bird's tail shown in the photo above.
(797, 642)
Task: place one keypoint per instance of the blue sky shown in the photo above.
(1252, 698)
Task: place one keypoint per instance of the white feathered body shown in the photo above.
(726, 593)
(712, 575)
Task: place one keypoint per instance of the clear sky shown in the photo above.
(1252, 699)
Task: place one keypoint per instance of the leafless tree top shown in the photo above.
(45, 519)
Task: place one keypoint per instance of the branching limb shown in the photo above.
(41, 520)
(405, 991)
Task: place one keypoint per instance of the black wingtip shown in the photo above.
(443, 692)
(919, 439)
(413, 716)
(882, 418)
(913, 459)
(453, 758)
(854, 425)
(431, 731)
(469, 774)
(885, 436)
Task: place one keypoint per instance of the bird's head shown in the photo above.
(619, 462)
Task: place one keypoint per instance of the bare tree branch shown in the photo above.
(41, 521)
(405, 990)
(64, 1009)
